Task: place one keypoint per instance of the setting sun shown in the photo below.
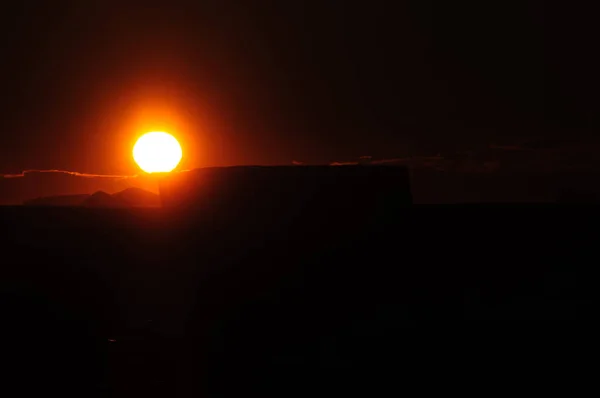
(157, 152)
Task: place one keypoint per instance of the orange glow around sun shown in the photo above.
(157, 152)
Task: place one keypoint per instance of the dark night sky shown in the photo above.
(272, 82)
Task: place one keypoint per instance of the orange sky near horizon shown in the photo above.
(145, 111)
(207, 136)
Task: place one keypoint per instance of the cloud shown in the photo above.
(343, 163)
(385, 161)
(73, 173)
(369, 160)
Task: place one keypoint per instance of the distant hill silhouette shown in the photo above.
(60, 200)
(103, 199)
(138, 197)
(130, 197)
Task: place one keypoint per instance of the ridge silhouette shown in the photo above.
(130, 197)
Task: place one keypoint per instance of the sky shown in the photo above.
(271, 82)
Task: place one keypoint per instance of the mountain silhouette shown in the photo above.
(60, 200)
(138, 197)
(103, 199)
(130, 197)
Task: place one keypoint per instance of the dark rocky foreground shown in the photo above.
(452, 293)
(174, 302)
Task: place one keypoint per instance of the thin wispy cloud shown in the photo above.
(343, 163)
(73, 173)
(388, 161)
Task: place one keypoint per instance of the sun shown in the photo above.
(157, 152)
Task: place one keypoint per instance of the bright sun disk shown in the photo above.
(157, 152)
